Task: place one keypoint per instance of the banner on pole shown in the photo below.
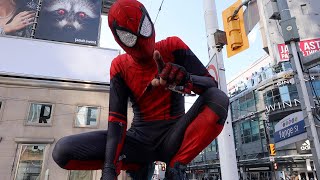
(307, 47)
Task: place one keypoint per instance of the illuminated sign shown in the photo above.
(290, 126)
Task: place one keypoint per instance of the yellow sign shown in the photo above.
(235, 29)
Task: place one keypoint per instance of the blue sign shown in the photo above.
(289, 131)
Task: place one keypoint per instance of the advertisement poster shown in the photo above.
(74, 21)
(17, 17)
(307, 47)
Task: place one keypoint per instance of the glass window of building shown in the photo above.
(39, 114)
(272, 125)
(261, 127)
(247, 104)
(235, 109)
(87, 116)
(30, 161)
(276, 95)
(235, 134)
(315, 86)
(81, 175)
(286, 65)
(249, 131)
(284, 93)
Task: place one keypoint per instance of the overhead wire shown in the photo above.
(158, 12)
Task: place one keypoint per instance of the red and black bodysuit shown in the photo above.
(161, 130)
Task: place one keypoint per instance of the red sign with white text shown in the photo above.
(307, 47)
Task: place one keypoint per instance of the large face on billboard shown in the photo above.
(75, 21)
(17, 17)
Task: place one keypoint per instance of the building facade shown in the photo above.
(263, 95)
(257, 105)
(260, 97)
(51, 87)
(35, 113)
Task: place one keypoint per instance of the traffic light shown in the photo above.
(235, 30)
(163, 166)
(275, 166)
(272, 149)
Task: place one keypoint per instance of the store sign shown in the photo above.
(303, 147)
(286, 82)
(282, 105)
(307, 47)
(289, 127)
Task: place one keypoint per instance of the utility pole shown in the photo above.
(227, 153)
(291, 38)
(267, 136)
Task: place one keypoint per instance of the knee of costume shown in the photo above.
(206, 126)
(218, 102)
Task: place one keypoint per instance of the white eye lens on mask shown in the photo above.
(127, 38)
(146, 27)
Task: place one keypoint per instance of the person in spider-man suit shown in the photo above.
(153, 75)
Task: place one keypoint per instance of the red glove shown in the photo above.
(172, 75)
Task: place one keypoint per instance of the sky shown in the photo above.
(185, 19)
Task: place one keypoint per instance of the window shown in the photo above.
(212, 146)
(30, 162)
(272, 126)
(285, 93)
(39, 114)
(80, 175)
(235, 109)
(235, 134)
(87, 116)
(249, 131)
(247, 104)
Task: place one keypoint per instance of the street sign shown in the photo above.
(289, 128)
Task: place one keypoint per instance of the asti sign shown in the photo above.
(290, 126)
(307, 47)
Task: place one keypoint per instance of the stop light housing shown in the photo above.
(163, 166)
(272, 149)
(275, 166)
(235, 29)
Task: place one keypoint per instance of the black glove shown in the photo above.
(109, 173)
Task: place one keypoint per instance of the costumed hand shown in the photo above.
(20, 21)
(108, 173)
(171, 75)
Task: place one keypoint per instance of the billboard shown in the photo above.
(307, 47)
(74, 21)
(55, 60)
(20, 17)
(289, 128)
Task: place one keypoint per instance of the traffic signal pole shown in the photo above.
(291, 38)
(227, 153)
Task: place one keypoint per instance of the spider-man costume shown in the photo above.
(153, 76)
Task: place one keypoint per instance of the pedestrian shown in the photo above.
(154, 76)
